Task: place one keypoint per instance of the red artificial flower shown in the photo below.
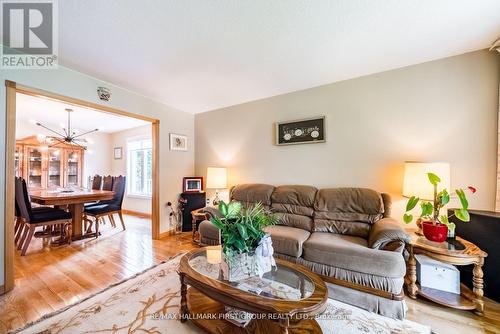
(472, 189)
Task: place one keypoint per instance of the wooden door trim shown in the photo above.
(10, 145)
(155, 196)
(9, 216)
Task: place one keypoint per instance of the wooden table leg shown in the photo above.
(284, 324)
(411, 273)
(77, 213)
(184, 309)
(477, 283)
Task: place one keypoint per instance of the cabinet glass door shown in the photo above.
(54, 166)
(73, 168)
(18, 157)
(34, 161)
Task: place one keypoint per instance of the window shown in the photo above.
(140, 162)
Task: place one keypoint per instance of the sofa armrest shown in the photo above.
(388, 234)
(212, 212)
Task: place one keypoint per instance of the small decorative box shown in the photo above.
(437, 275)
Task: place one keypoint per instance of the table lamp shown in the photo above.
(416, 182)
(216, 179)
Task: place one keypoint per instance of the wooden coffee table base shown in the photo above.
(200, 306)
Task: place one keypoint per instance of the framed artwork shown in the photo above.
(302, 131)
(178, 142)
(192, 184)
(117, 153)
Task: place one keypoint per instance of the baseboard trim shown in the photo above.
(137, 214)
(167, 233)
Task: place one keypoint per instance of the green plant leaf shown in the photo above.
(433, 178)
(463, 215)
(444, 219)
(217, 222)
(412, 203)
(407, 218)
(233, 209)
(427, 209)
(223, 208)
(445, 197)
(463, 199)
(240, 245)
(451, 226)
(242, 229)
(230, 238)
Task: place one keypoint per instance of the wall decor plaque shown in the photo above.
(303, 131)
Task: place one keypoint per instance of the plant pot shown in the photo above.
(435, 231)
(239, 267)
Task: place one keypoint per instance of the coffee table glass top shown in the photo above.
(282, 283)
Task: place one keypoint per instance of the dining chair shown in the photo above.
(96, 182)
(114, 206)
(33, 218)
(19, 222)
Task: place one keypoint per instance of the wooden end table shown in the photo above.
(451, 253)
(285, 300)
(198, 216)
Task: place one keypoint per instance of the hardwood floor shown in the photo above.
(48, 279)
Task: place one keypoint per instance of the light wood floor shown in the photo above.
(48, 279)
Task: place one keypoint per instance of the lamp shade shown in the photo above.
(216, 178)
(416, 182)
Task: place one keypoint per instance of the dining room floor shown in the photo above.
(48, 279)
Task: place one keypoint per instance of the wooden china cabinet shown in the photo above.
(43, 167)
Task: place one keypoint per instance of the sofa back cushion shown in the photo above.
(348, 211)
(252, 193)
(294, 205)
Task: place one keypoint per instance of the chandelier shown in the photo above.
(70, 135)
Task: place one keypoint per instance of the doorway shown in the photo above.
(13, 92)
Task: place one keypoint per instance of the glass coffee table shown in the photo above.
(285, 300)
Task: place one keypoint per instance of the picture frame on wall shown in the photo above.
(178, 142)
(192, 184)
(302, 131)
(117, 153)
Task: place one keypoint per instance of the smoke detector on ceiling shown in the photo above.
(496, 46)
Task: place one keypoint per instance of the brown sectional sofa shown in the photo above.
(343, 234)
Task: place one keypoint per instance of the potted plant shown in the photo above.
(246, 249)
(434, 225)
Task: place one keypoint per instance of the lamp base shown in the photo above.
(216, 200)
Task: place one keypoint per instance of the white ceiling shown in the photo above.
(199, 55)
(52, 113)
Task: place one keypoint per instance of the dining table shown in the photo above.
(74, 199)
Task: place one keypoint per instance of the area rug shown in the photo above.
(149, 303)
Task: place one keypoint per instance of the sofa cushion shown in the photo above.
(352, 253)
(347, 210)
(287, 240)
(390, 284)
(249, 194)
(294, 205)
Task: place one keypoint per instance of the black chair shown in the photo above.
(33, 218)
(19, 222)
(113, 206)
(96, 182)
(96, 185)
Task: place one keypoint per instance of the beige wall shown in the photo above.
(444, 110)
(119, 167)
